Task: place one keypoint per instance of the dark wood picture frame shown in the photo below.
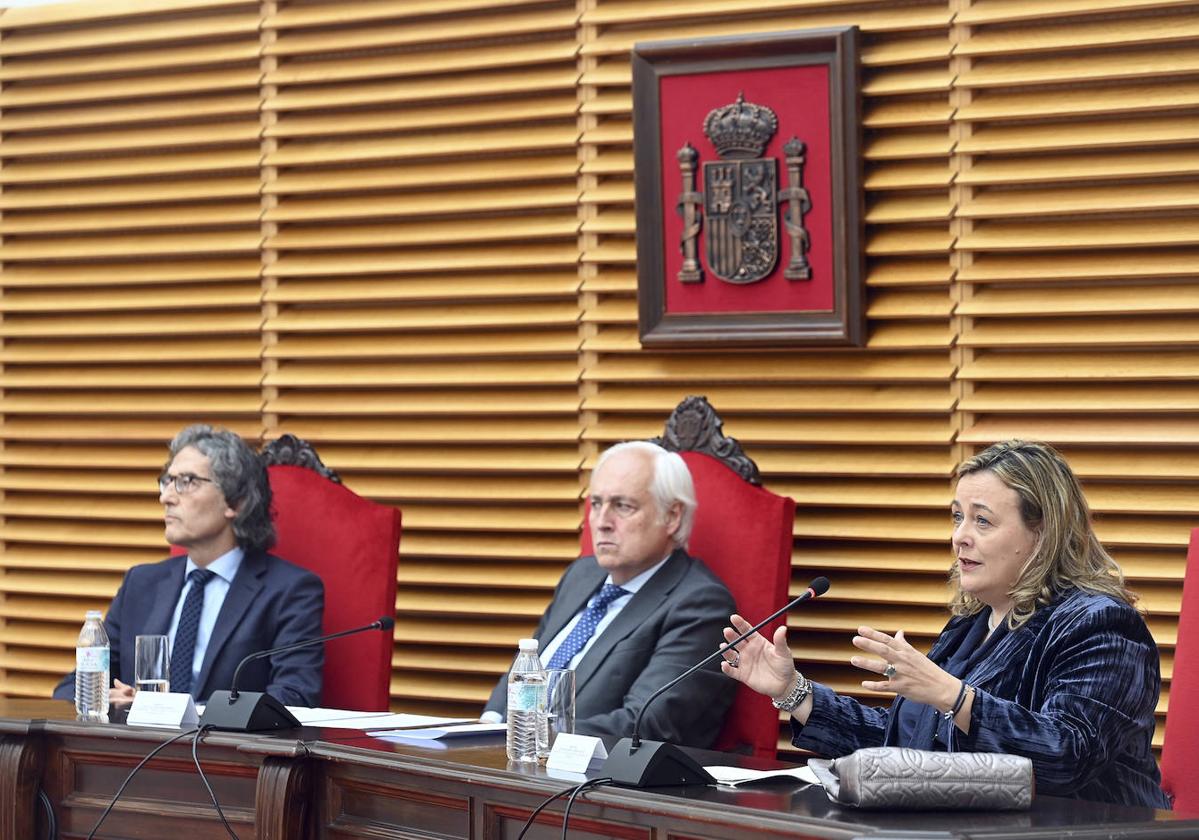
(844, 324)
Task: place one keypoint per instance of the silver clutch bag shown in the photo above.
(902, 778)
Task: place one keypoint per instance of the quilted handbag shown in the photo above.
(907, 779)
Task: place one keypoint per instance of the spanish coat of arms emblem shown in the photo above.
(739, 205)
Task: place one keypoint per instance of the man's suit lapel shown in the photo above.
(647, 599)
(164, 597)
(246, 585)
(571, 599)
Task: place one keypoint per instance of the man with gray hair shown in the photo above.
(640, 611)
(227, 597)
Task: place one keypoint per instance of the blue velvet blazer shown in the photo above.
(1074, 689)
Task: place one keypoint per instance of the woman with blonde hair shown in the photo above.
(1045, 656)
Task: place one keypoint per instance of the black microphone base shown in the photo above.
(653, 764)
(250, 712)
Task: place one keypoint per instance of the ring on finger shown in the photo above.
(889, 671)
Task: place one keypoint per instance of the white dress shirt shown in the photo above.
(225, 568)
(631, 587)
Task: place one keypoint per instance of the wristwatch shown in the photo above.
(803, 687)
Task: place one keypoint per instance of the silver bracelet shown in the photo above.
(803, 687)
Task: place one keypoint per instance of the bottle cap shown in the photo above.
(93, 614)
(528, 644)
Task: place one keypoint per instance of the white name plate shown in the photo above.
(574, 753)
(151, 708)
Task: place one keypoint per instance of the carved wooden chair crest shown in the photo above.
(290, 450)
(694, 426)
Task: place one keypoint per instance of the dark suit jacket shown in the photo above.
(671, 623)
(1074, 690)
(270, 603)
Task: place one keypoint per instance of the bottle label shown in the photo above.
(525, 697)
(91, 659)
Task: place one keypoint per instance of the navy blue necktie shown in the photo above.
(585, 629)
(184, 649)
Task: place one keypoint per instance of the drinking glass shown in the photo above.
(152, 663)
(559, 710)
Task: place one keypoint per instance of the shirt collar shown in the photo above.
(225, 567)
(631, 586)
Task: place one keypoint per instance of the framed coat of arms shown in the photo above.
(747, 155)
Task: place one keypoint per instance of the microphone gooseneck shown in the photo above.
(815, 589)
(384, 623)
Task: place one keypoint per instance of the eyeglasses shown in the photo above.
(183, 483)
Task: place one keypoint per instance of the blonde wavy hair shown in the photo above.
(1067, 553)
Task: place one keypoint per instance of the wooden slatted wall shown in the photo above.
(131, 292)
(1078, 168)
(404, 231)
(422, 276)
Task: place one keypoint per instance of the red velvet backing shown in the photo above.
(743, 534)
(352, 544)
(799, 95)
(1180, 746)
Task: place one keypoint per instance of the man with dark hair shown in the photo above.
(227, 597)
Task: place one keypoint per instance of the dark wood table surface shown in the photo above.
(336, 783)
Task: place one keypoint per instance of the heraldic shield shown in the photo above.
(741, 206)
(738, 208)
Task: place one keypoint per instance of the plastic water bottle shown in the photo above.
(526, 698)
(91, 668)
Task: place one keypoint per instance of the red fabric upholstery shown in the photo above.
(352, 543)
(743, 534)
(1180, 770)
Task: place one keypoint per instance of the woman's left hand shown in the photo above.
(915, 676)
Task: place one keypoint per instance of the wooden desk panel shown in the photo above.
(369, 785)
(260, 781)
(326, 783)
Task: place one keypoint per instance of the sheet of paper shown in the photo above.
(738, 775)
(441, 732)
(348, 719)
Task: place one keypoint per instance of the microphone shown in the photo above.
(254, 711)
(632, 763)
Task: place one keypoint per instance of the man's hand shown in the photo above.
(120, 694)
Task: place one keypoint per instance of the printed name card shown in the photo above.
(151, 708)
(574, 753)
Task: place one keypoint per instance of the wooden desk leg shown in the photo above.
(20, 776)
(281, 799)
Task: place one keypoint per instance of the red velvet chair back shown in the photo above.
(1180, 746)
(352, 543)
(742, 532)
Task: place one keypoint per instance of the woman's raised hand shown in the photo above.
(765, 666)
(904, 670)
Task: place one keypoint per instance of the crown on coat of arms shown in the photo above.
(741, 129)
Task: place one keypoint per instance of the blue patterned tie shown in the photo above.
(184, 649)
(585, 629)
